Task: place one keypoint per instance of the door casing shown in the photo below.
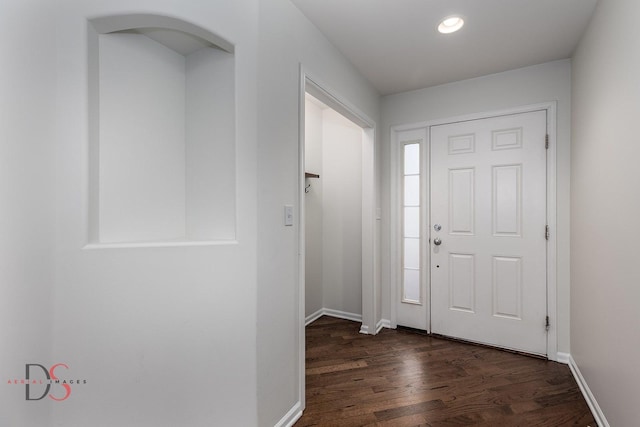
(396, 218)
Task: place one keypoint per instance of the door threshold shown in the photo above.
(477, 344)
(414, 330)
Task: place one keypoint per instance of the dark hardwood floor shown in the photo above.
(401, 378)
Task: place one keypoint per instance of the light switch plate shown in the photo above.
(288, 215)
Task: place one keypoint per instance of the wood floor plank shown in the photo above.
(401, 411)
(401, 378)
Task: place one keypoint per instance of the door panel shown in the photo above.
(462, 286)
(488, 194)
(461, 201)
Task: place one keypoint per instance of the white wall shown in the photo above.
(342, 213)
(287, 39)
(333, 210)
(210, 151)
(27, 216)
(530, 85)
(141, 139)
(165, 336)
(605, 205)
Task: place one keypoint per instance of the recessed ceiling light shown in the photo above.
(450, 24)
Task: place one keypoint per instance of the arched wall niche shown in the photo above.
(162, 133)
(116, 23)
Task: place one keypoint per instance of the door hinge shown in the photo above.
(547, 324)
(547, 234)
(546, 141)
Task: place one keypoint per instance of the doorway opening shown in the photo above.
(333, 213)
(337, 214)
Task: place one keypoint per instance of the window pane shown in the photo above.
(412, 159)
(412, 253)
(412, 222)
(412, 190)
(411, 285)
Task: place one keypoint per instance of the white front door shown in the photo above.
(487, 229)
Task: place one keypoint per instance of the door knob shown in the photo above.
(437, 241)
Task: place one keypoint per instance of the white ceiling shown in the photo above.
(396, 46)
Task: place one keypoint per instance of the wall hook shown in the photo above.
(309, 175)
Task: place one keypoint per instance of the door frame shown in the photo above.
(370, 261)
(396, 221)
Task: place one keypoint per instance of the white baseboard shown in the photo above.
(562, 358)
(584, 388)
(313, 317)
(343, 315)
(383, 323)
(291, 417)
(333, 313)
